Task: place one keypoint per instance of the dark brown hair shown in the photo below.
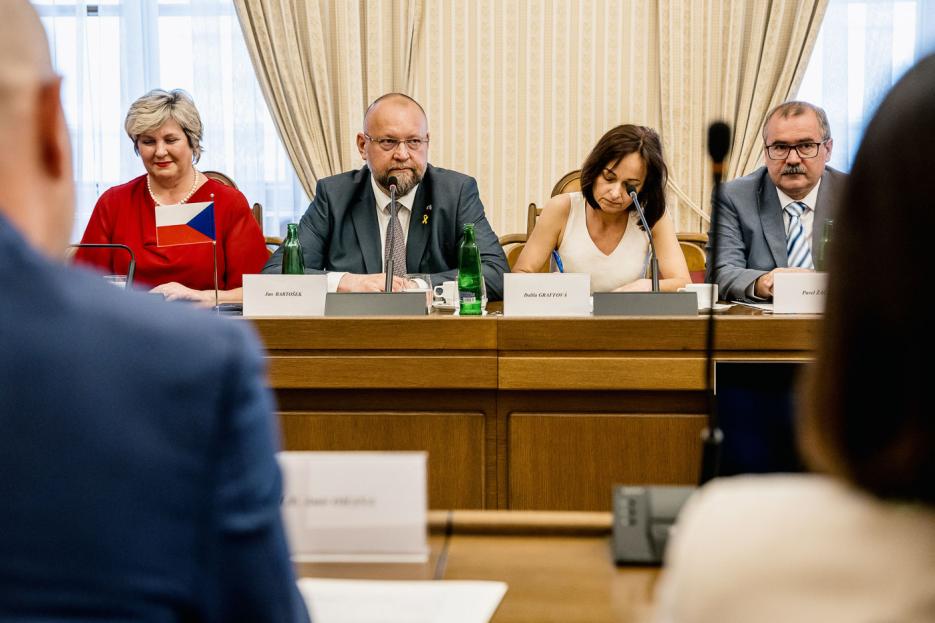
(623, 141)
(868, 416)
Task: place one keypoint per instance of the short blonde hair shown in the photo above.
(151, 111)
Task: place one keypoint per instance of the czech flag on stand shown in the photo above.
(185, 223)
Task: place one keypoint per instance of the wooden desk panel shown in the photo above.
(578, 370)
(571, 461)
(392, 370)
(455, 443)
(523, 378)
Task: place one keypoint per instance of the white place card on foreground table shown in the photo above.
(388, 601)
(355, 506)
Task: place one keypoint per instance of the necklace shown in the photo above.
(149, 187)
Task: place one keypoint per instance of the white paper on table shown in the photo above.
(767, 307)
(395, 601)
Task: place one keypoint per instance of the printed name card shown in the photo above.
(546, 294)
(799, 293)
(284, 295)
(357, 506)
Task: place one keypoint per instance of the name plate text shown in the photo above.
(355, 505)
(546, 294)
(284, 295)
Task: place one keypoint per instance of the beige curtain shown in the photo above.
(731, 60)
(320, 63)
(518, 91)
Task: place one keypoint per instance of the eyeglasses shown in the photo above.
(780, 151)
(390, 144)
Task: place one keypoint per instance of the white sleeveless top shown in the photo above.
(579, 254)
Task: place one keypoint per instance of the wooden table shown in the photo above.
(516, 413)
(558, 566)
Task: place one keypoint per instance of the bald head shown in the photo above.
(394, 100)
(36, 185)
(24, 49)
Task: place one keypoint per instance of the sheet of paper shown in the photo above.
(390, 601)
(767, 307)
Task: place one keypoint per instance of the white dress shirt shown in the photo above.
(807, 218)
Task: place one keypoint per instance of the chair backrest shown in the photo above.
(272, 242)
(513, 245)
(695, 258)
(220, 177)
(570, 182)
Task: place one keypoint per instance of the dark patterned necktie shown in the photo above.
(798, 248)
(399, 245)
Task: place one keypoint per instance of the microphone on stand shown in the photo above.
(653, 260)
(712, 436)
(391, 238)
(131, 268)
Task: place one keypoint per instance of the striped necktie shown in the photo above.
(798, 248)
(399, 245)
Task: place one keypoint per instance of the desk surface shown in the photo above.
(558, 565)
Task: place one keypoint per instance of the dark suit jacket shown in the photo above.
(751, 235)
(138, 480)
(340, 231)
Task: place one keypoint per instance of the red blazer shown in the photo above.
(125, 214)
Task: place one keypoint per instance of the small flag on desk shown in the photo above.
(185, 223)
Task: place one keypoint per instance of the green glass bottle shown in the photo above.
(471, 290)
(824, 249)
(293, 263)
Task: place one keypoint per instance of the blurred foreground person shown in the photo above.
(138, 480)
(856, 541)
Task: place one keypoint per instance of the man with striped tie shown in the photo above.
(769, 219)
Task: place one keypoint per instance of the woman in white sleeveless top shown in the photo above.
(597, 230)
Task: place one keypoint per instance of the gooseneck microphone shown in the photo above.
(712, 436)
(653, 260)
(390, 237)
(131, 268)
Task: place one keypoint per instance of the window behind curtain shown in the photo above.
(111, 52)
(863, 48)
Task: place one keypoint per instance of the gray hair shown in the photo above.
(151, 111)
(796, 108)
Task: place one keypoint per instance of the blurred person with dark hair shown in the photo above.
(855, 541)
(138, 480)
(598, 230)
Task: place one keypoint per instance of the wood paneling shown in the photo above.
(455, 443)
(435, 332)
(537, 413)
(370, 369)
(571, 461)
(590, 371)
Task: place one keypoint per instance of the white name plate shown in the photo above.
(546, 294)
(284, 295)
(355, 506)
(799, 293)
